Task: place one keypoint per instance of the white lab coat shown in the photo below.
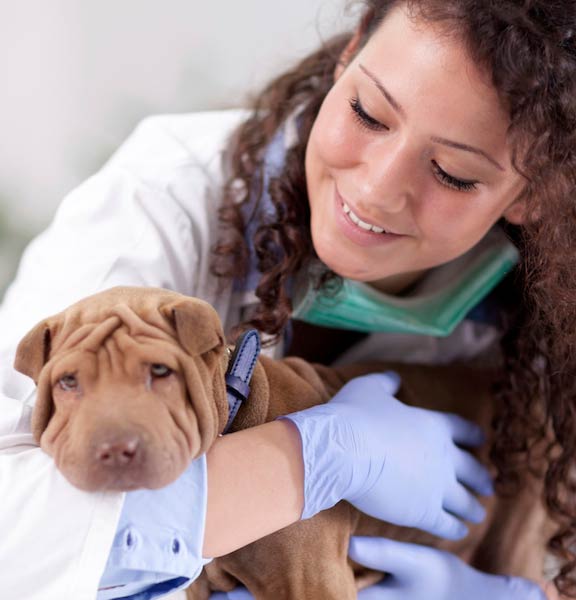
(148, 218)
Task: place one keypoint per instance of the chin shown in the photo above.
(346, 271)
(330, 250)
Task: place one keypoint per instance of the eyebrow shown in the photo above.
(384, 91)
(457, 145)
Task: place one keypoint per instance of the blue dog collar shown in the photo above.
(239, 373)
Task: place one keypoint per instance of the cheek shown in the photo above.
(456, 222)
(58, 426)
(171, 392)
(333, 143)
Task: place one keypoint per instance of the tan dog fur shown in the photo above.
(121, 427)
(108, 342)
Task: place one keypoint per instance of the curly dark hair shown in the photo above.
(529, 48)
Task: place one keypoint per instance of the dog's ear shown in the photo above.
(32, 354)
(33, 350)
(196, 324)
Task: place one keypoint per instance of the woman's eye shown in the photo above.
(363, 118)
(368, 122)
(68, 383)
(452, 182)
(159, 370)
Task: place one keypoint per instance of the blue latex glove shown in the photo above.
(392, 461)
(421, 573)
(239, 593)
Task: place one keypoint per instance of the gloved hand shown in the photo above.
(392, 461)
(422, 573)
(239, 593)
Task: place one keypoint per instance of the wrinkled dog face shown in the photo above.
(130, 387)
(133, 428)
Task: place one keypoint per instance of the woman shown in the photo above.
(411, 142)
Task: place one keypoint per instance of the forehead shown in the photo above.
(428, 70)
(119, 352)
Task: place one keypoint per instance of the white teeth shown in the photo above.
(359, 222)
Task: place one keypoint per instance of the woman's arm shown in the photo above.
(267, 458)
(353, 448)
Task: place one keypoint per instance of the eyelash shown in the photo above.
(449, 181)
(363, 118)
(367, 122)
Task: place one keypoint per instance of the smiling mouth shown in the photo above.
(359, 222)
(363, 224)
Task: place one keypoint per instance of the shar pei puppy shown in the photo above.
(131, 388)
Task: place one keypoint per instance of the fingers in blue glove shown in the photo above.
(239, 593)
(377, 592)
(387, 383)
(391, 382)
(462, 503)
(523, 588)
(419, 573)
(388, 556)
(464, 432)
(472, 473)
(448, 526)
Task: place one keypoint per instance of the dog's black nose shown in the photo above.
(119, 453)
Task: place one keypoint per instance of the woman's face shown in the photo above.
(410, 141)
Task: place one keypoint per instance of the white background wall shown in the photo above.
(77, 75)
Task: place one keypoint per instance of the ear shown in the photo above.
(348, 54)
(353, 45)
(197, 325)
(32, 354)
(33, 350)
(517, 212)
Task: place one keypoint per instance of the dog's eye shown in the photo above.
(68, 382)
(159, 370)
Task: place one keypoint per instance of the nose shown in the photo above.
(388, 179)
(121, 452)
